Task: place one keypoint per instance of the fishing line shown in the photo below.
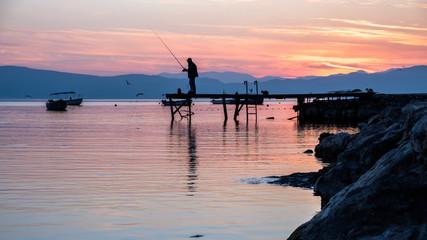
(168, 48)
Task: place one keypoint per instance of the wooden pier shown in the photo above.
(178, 101)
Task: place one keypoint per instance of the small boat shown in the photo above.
(176, 103)
(70, 97)
(75, 101)
(62, 100)
(227, 101)
(251, 101)
(73, 98)
(56, 105)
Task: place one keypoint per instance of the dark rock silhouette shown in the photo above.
(377, 187)
(330, 146)
(302, 180)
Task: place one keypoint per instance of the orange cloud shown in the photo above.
(287, 51)
(283, 38)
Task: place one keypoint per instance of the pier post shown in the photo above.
(246, 102)
(247, 109)
(171, 106)
(189, 108)
(236, 111)
(224, 105)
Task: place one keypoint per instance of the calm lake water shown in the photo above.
(101, 171)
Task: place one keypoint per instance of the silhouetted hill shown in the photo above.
(18, 82)
(403, 80)
(225, 77)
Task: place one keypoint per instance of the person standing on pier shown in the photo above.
(192, 74)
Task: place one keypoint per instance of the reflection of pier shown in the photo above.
(187, 141)
(192, 161)
(245, 100)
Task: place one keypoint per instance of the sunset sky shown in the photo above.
(287, 38)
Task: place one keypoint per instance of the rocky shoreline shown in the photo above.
(375, 186)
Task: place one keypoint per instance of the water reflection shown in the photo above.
(192, 161)
(313, 130)
(187, 137)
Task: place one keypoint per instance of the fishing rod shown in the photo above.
(168, 48)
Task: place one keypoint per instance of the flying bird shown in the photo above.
(138, 94)
(128, 83)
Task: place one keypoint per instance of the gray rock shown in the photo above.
(324, 135)
(377, 187)
(330, 146)
(388, 200)
(360, 154)
(302, 180)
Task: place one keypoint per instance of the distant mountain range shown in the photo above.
(21, 82)
(225, 77)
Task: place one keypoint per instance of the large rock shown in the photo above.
(377, 188)
(365, 148)
(387, 202)
(331, 145)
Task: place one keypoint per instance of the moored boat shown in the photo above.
(74, 101)
(176, 103)
(70, 97)
(56, 105)
(227, 101)
(73, 98)
(251, 101)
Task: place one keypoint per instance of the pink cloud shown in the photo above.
(260, 51)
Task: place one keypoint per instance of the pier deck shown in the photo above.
(243, 99)
(269, 96)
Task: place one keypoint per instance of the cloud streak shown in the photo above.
(384, 26)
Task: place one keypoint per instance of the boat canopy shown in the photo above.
(58, 93)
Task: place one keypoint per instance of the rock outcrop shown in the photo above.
(377, 188)
(331, 145)
(302, 180)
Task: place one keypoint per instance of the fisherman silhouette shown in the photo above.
(192, 74)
